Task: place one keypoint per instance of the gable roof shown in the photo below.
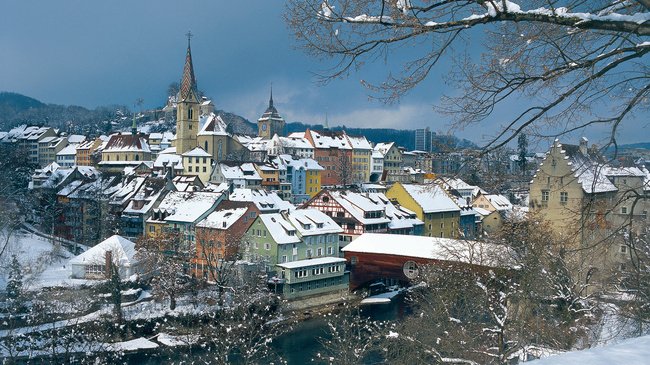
(431, 198)
(122, 249)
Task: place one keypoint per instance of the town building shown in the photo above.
(423, 139)
(392, 157)
(98, 261)
(432, 205)
(198, 162)
(270, 123)
(589, 203)
(219, 237)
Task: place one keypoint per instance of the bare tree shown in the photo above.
(561, 58)
(350, 337)
(163, 262)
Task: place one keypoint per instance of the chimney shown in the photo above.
(108, 262)
(583, 145)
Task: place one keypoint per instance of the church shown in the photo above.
(200, 127)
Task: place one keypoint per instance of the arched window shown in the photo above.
(189, 113)
(137, 157)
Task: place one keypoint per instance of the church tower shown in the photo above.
(188, 107)
(270, 123)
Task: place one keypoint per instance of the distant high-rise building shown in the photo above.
(423, 139)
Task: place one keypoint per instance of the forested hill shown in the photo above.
(18, 109)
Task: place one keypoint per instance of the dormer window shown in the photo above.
(291, 233)
(319, 225)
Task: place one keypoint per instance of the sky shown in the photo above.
(92, 53)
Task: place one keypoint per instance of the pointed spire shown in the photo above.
(188, 83)
(271, 98)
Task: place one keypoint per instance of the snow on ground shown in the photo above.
(173, 341)
(634, 351)
(34, 254)
(140, 343)
(43, 264)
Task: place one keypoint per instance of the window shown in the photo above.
(545, 195)
(152, 228)
(267, 246)
(564, 197)
(354, 260)
(623, 249)
(329, 250)
(283, 260)
(319, 252)
(623, 210)
(308, 253)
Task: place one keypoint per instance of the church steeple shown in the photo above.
(187, 107)
(188, 83)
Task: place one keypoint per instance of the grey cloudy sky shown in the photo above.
(93, 53)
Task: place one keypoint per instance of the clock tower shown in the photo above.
(270, 123)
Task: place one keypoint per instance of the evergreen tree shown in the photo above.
(15, 282)
(522, 144)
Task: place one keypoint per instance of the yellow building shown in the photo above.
(198, 162)
(589, 205)
(361, 158)
(85, 151)
(432, 205)
(124, 150)
(313, 181)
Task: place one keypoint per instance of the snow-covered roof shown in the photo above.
(264, 200)
(330, 139)
(244, 171)
(311, 262)
(357, 205)
(433, 248)
(298, 163)
(383, 148)
(310, 222)
(499, 202)
(212, 125)
(222, 219)
(197, 152)
(432, 198)
(122, 250)
(187, 206)
(126, 143)
(359, 142)
(168, 160)
(296, 142)
(76, 138)
(281, 230)
(69, 150)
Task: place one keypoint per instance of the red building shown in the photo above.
(333, 151)
(219, 237)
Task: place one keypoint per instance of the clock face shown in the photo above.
(263, 127)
